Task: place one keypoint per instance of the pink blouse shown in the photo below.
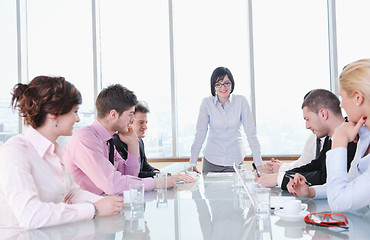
(35, 188)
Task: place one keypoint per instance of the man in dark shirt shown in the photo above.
(323, 115)
(139, 125)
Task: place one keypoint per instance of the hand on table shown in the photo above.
(297, 186)
(183, 177)
(270, 167)
(267, 180)
(111, 205)
(171, 182)
(276, 164)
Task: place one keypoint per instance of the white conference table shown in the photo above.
(212, 208)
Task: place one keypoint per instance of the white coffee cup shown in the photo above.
(294, 207)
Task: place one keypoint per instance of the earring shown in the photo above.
(56, 122)
(356, 104)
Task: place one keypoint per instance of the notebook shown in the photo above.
(276, 202)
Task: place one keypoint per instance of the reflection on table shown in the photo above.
(212, 208)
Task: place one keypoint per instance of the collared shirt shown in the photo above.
(87, 158)
(308, 154)
(36, 190)
(348, 192)
(224, 143)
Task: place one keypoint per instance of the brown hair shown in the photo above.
(321, 98)
(142, 107)
(44, 95)
(114, 97)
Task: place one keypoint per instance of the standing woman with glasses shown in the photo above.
(345, 193)
(224, 114)
(35, 188)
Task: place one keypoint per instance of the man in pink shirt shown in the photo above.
(87, 154)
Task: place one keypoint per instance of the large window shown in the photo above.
(201, 45)
(8, 68)
(135, 53)
(165, 51)
(60, 44)
(291, 58)
(352, 31)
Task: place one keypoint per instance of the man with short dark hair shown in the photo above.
(322, 114)
(90, 154)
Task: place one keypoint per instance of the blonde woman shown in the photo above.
(348, 192)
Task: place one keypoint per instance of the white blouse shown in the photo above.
(224, 142)
(348, 192)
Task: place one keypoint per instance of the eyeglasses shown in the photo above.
(327, 219)
(227, 84)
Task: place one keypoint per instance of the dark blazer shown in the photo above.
(146, 170)
(315, 171)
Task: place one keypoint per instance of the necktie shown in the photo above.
(111, 151)
(327, 145)
(318, 146)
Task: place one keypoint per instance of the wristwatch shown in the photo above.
(96, 211)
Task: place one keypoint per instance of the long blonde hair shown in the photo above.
(356, 77)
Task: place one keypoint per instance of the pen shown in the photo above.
(290, 176)
(255, 168)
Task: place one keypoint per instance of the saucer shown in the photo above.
(295, 224)
(290, 218)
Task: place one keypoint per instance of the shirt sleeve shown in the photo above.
(89, 157)
(77, 195)
(250, 131)
(21, 194)
(345, 194)
(201, 132)
(130, 166)
(308, 154)
(127, 163)
(320, 191)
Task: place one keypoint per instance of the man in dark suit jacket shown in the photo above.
(323, 115)
(315, 171)
(140, 127)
